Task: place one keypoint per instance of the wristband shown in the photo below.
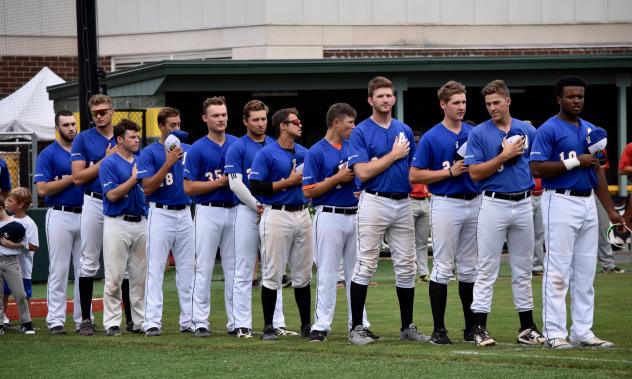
(450, 171)
(571, 163)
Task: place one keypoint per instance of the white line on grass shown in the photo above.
(531, 356)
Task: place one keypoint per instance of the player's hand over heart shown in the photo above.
(458, 168)
(587, 160)
(174, 155)
(400, 150)
(345, 175)
(295, 177)
(111, 150)
(511, 150)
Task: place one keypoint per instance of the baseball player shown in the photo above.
(330, 184)
(285, 227)
(204, 179)
(124, 229)
(89, 149)
(169, 222)
(380, 153)
(569, 174)
(453, 208)
(497, 156)
(247, 241)
(5, 178)
(53, 178)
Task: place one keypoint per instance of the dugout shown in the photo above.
(313, 85)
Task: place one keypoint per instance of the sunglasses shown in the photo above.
(296, 122)
(100, 112)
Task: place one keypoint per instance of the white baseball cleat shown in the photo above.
(482, 337)
(530, 336)
(558, 343)
(283, 331)
(244, 333)
(594, 342)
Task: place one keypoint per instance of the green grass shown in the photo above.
(174, 354)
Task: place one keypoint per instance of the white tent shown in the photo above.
(28, 110)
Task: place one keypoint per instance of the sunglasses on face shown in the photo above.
(296, 122)
(100, 112)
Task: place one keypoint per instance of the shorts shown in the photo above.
(27, 288)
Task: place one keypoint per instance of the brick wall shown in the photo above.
(15, 71)
(506, 52)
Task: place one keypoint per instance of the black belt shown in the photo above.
(508, 196)
(220, 204)
(171, 207)
(390, 195)
(96, 195)
(289, 208)
(419, 198)
(462, 196)
(342, 211)
(574, 192)
(129, 218)
(66, 208)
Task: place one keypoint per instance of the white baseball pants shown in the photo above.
(286, 237)
(378, 217)
(538, 234)
(213, 229)
(247, 243)
(421, 218)
(500, 220)
(91, 236)
(454, 223)
(169, 230)
(334, 239)
(63, 236)
(570, 229)
(124, 248)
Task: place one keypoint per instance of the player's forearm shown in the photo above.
(321, 188)
(481, 171)
(240, 190)
(195, 187)
(121, 190)
(53, 187)
(424, 176)
(368, 170)
(82, 174)
(282, 184)
(602, 192)
(547, 169)
(151, 184)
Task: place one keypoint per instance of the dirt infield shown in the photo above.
(39, 308)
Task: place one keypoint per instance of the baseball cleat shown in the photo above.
(530, 336)
(359, 336)
(201, 333)
(269, 333)
(284, 332)
(557, 343)
(424, 278)
(1, 330)
(411, 334)
(612, 270)
(187, 330)
(537, 273)
(113, 331)
(371, 334)
(232, 332)
(57, 330)
(86, 328)
(27, 328)
(440, 337)
(482, 337)
(305, 330)
(317, 336)
(468, 335)
(129, 326)
(244, 333)
(153, 332)
(593, 342)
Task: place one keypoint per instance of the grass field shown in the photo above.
(176, 355)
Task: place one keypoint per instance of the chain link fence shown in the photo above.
(19, 151)
(139, 116)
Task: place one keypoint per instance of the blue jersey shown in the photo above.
(205, 162)
(5, 176)
(114, 171)
(322, 161)
(273, 163)
(485, 143)
(436, 151)
(171, 191)
(90, 146)
(53, 163)
(369, 141)
(240, 156)
(557, 140)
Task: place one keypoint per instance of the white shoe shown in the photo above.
(530, 336)
(359, 336)
(594, 342)
(283, 331)
(558, 343)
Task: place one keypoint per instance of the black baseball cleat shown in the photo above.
(317, 336)
(440, 337)
(113, 331)
(187, 330)
(370, 334)
(468, 335)
(232, 332)
(57, 330)
(269, 334)
(305, 330)
(86, 328)
(201, 333)
(153, 332)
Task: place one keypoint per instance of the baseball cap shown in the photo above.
(596, 140)
(13, 231)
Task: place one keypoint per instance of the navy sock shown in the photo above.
(466, 293)
(268, 302)
(126, 303)
(303, 302)
(438, 298)
(85, 296)
(406, 298)
(358, 299)
(526, 320)
(480, 319)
